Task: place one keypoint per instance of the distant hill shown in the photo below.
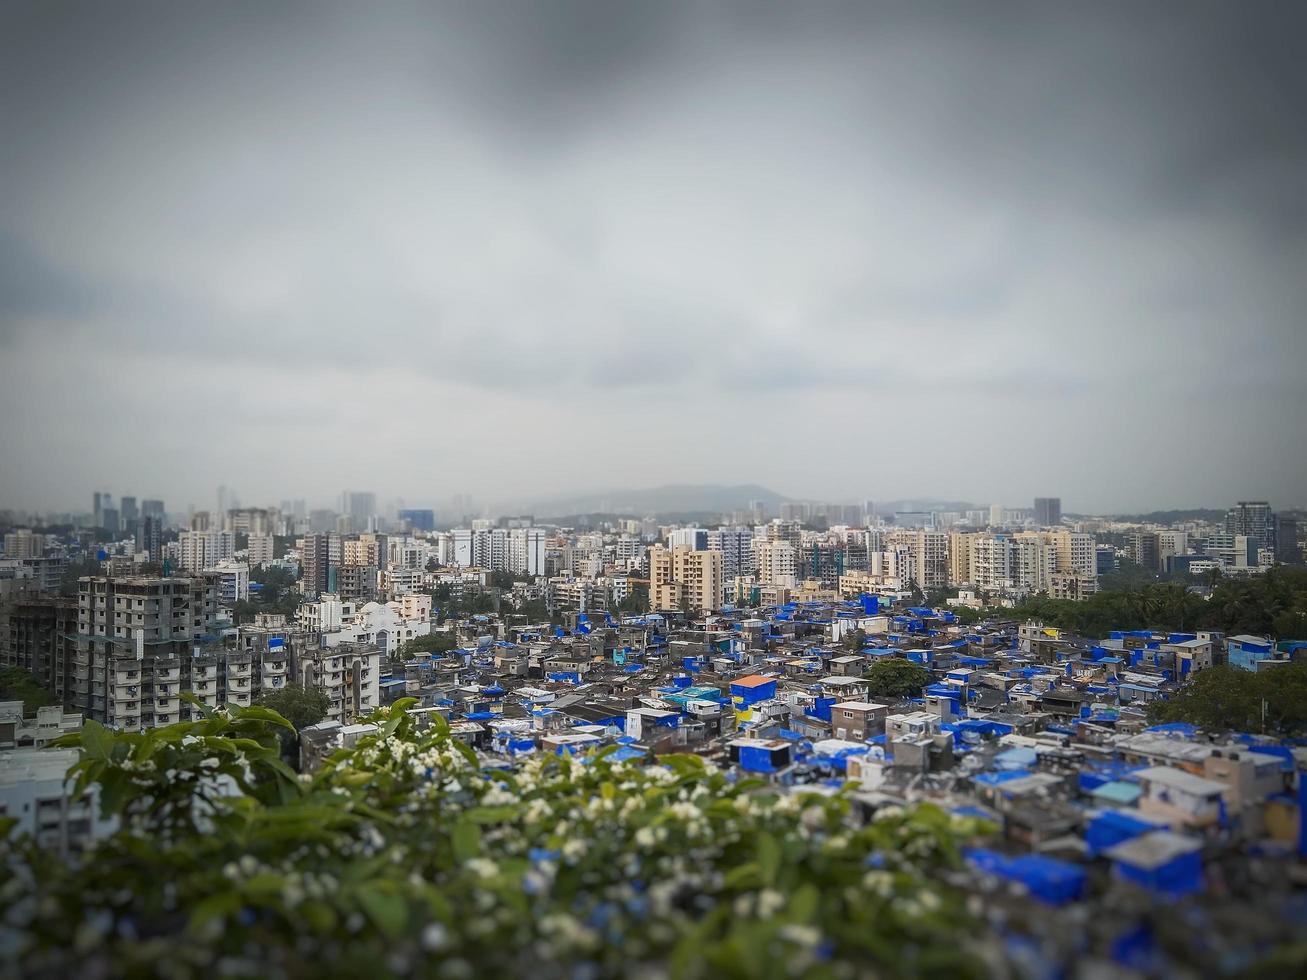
(681, 500)
(886, 508)
(672, 498)
(1166, 516)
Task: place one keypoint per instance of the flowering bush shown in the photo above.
(407, 855)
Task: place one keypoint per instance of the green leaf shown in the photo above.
(97, 741)
(743, 877)
(189, 697)
(115, 790)
(467, 752)
(804, 903)
(320, 916)
(217, 906)
(388, 912)
(257, 712)
(491, 814)
(388, 729)
(684, 765)
(769, 857)
(466, 840)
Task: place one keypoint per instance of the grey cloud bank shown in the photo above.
(977, 251)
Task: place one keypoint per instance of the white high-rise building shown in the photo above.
(526, 550)
(202, 549)
(736, 546)
(778, 562)
(694, 538)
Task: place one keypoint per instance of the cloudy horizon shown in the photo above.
(845, 251)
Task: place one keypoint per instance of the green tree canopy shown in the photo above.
(1273, 603)
(1229, 699)
(16, 684)
(894, 678)
(636, 602)
(301, 706)
(441, 642)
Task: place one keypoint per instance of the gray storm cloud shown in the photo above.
(846, 250)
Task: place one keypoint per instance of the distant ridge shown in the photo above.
(670, 498)
(704, 498)
(1209, 514)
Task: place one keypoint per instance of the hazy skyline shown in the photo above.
(845, 251)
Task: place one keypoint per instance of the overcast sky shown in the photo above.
(843, 250)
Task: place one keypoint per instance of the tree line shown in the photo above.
(1270, 604)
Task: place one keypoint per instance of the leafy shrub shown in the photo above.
(407, 856)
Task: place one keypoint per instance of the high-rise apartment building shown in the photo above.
(1254, 519)
(359, 507)
(260, 549)
(366, 549)
(315, 564)
(685, 579)
(736, 546)
(38, 634)
(1144, 548)
(1076, 551)
(929, 549)
(128, 515)
(777, 562)
(251, 520)
(419, 520)
(694, 538)
(149, 537)
(1286, 540)
(22, 543)
(135, 638)
(201, 549)
(1171, 543)
(1048, 511)
(960, 570)
(526, 550)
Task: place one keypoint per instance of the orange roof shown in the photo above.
(753, 680)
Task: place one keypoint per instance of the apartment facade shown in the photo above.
(38, 634)
(135, 638)
(201, 549)
(682, 578)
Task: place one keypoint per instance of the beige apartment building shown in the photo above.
(929, 565)
(685, 579)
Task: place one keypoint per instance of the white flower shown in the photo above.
(644, 837)
(802, 935)
(770, 901)
(684, 811)
(434, 937)
(483, 867)
(879, 882)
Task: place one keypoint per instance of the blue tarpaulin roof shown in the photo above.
(1175, 728)
(1048, 879)
(998, 778)
(1117, 791)
(1019, 758)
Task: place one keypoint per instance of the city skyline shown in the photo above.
(451, 508)
(1033, 239)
